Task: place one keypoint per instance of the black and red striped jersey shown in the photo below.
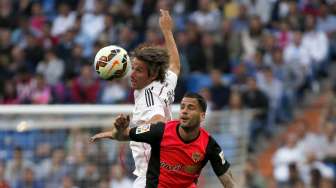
(174, 162)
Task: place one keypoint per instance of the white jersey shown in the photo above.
(154, 99)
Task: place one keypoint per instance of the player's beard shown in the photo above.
(191, 125)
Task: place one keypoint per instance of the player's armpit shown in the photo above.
(156, 118)
(227, 180)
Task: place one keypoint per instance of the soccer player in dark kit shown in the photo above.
(180, 149)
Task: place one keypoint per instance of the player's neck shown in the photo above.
(188, 134)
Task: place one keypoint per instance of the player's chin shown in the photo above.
(133, 85)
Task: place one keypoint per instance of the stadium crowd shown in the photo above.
(260, 54)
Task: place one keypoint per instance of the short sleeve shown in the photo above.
(171, 79)
(148, 133)
(216, 157)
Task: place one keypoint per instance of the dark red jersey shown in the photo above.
(174, 162)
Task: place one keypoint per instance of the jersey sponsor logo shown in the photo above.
(196, 156)
(149, 97)
(221, 155)
(190, 169)
(142, 129)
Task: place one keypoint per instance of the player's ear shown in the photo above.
(154, 75)
(202, 114)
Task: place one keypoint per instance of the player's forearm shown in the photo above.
(122, 135)
(227, 180)
(107, 134)
(174, 58)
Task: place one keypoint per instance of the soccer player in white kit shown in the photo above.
(154, 76)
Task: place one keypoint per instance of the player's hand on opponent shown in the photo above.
(122, 122)
(165, 21)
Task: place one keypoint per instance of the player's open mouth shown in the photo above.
(184, 119)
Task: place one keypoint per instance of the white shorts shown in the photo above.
(139, 182)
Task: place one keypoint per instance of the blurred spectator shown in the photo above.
(3, 182)
(292, 80)
(52, 68)
(18, 60)
(68, 182)
(296, 53)
(104, 184)
(53, 170)
(295, 180)
(24, 86)
(20, 32)
(109, 34)
(66, 44)
(231, 42)
(29, 180)
(85, 88)
(284, 35)
(37, 19)
(41, 93)
(216, 54)
(205, 93)
(253, 178)
(325, 21)
(127, 38)
(317, 44)
(5, 46)
(240, 23)
(88, 176)
(64, 21)
(230, 9)
(207, 17)
(114, 92)
(7, 15)
(15, 167)
(118, 178)
(261, 8)
(220, 93)
(194, 53)
(92, 23)
(46, 39)
(153, 37)
(74, 62)
(10, 94)
(257, 100)
(251, 37)
(283, 157)
(234, 118)
(273, 88)
(34, 52)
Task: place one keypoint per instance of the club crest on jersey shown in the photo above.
(142, 129)
(196, 156)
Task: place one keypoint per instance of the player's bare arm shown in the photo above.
(227, 180)
(120, 130)
(166, 25)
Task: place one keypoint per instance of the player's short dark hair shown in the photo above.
(156, 58)
(200, 99)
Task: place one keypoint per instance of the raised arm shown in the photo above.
(166, 25)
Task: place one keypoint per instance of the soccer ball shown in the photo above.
(112, 62)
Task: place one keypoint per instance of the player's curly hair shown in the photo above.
(155, 57)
